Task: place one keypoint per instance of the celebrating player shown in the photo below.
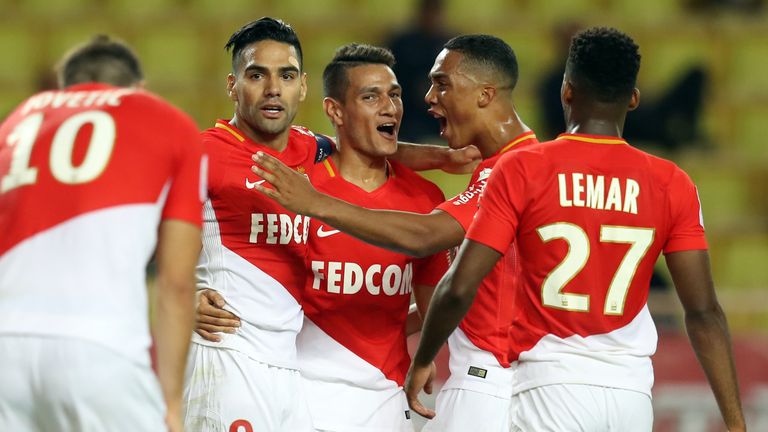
(471, 95)
(352, 349)
(253, 249)
(590, 216)
(79, 227)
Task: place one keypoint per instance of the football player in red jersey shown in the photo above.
(78, 230)
(352, 349)
(590, 216)
(471, 95)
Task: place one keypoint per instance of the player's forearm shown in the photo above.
(408, 233)
(172, 329)
(421, 157)
(453, 297)
(450, 302)
(708, 332)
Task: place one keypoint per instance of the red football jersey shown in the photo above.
(253, 248)
(590, 216)
(86, 175)
(357, 295)
(481, 344)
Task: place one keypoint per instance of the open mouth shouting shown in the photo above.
(388, 130)
(441, 119)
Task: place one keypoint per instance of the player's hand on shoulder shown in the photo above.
(289, 187)
(462, 161)
(212, 318)
(418, 378)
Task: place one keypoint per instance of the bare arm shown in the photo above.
(421, 157)
(410, 233)
(708, 330)
(450, 302)
(177, 253)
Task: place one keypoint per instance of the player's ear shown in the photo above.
(303, 91)
(566, 93)
(487, 93)
(231, 87)
(634, 100)
(334, 111)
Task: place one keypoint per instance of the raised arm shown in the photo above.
(410, 233)
(708, 330)
(450, 302)
(177, 252)
(422, 157)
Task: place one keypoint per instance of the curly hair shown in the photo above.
(605, 62)
(335, 80)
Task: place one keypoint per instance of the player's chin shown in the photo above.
(274, 126)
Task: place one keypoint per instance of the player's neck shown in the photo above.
(363, 171)
(498, 132)
(595, 126)
(277, 142)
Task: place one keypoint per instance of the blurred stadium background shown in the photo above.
(181, 44)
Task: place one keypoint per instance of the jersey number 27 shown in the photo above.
(552, 295)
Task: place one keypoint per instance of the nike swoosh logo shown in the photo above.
(322, 233)
(251, 185)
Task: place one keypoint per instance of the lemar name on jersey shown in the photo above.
(349, 278)
(586, 190)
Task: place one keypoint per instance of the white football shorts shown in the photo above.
(227, 391)
(67, 384)
(581, 408)
(339, 407)
(460, 410)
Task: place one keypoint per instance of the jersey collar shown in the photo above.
(221, 124)
(593, 139)
(515, 141)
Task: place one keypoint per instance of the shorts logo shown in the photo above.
(478, 372)
(407, 414)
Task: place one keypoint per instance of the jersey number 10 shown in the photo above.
(552, 295)
(23, 138)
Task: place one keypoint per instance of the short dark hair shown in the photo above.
(605, 62)
(265, 28)
(335, 79)
(488, 52)
(101, 60)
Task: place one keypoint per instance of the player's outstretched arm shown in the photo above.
(450, 302)
(410, 233)
(422, 157)
(177, 253)
(211, 316)
(708, 330)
